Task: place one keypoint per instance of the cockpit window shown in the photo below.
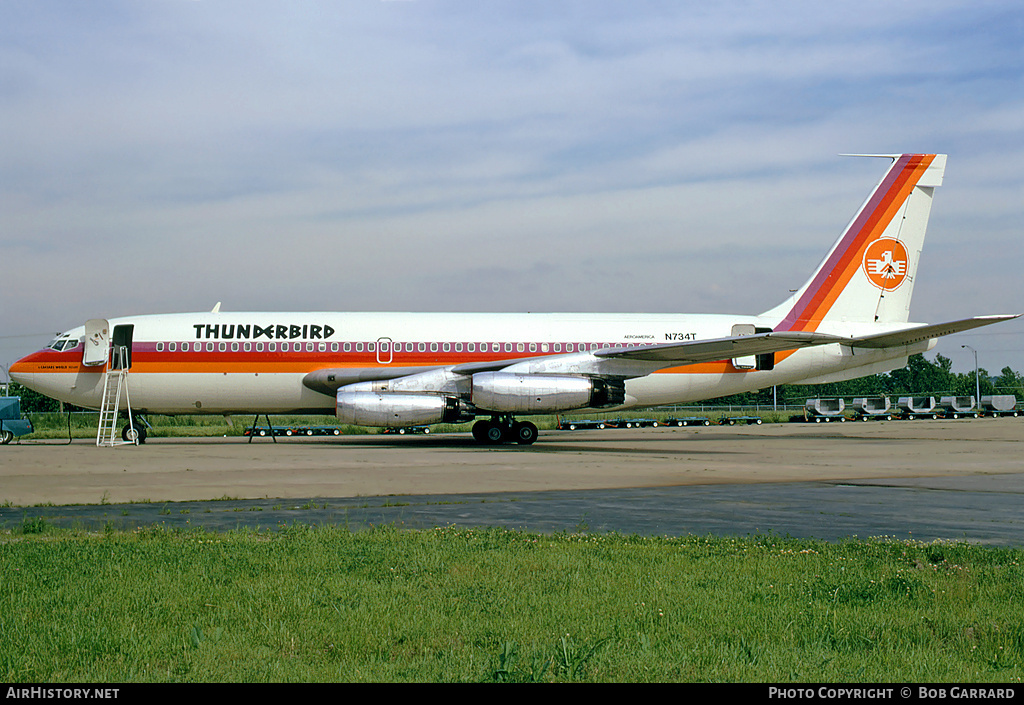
(63, 342)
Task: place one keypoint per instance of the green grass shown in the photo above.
(327, 604)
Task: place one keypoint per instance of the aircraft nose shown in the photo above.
(22, 371)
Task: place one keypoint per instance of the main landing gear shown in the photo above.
(505, 430)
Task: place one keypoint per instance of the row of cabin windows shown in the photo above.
(385, 346)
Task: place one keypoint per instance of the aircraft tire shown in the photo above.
(6, 437)
(138, 437)
(480, 431)
(526, 433)
(495, 433)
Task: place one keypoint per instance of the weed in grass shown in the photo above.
(34, 525)
(571, 660)
(509, 670)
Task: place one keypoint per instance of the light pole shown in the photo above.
(977, 379)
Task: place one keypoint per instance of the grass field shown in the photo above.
(328, 604)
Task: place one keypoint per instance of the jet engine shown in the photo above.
(509, 393)
(392, 410)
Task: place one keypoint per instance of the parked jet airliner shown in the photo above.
(848, 320)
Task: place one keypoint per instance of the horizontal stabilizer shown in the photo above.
(720, 348)
(922, 333)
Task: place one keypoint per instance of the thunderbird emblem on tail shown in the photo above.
(885, 263)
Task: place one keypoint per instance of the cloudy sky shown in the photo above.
(520, 155)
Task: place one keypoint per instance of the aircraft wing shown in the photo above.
(691, 352)
(909, 336)
(327, 381)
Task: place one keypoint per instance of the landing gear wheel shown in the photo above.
(525, 433)
(136, 435)
(6, 437)
(480, 431)
(494, 433)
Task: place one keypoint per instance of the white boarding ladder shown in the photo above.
(115, 379)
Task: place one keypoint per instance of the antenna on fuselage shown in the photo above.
(216, 309)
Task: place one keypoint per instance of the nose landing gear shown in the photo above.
(134, 432)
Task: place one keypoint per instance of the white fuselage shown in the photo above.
(224, 363)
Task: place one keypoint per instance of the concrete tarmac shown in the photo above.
(943, 479)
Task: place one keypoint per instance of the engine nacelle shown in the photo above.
(510, 393)
(392, 410)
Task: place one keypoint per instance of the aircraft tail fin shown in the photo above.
(869, 273)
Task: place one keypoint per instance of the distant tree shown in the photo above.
(919, 377)
(1009, 382)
